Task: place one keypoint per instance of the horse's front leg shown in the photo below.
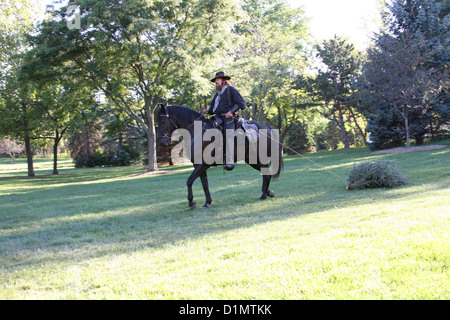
(204, 179)
(198, 169)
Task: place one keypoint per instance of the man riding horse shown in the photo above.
(226, 102)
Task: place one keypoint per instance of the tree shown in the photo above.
(407, 69)
(123, 140)
(85, 140)
(385, 126)
(19, 116)
(396, 77)
(334, 84)
(16, 19)
(135, 52)
(445, 10)
(10, 148)
(270, 51)
(300, 138)
(60, 102)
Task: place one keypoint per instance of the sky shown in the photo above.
(354, 19)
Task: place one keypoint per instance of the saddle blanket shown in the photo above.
(250, 129)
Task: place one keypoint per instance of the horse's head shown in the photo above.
(165, 126)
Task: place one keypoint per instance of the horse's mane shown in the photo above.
(187, 113)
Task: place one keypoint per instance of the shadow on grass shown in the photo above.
(92, 213)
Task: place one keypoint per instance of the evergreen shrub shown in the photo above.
(378, 174)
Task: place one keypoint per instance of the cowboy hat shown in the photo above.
(220, 74)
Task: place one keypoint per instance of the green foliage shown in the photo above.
(105, 138)
(269, 51)
(386, 129)
(378, 174)
(135, 52)
(329, 137)
(300, 139)
(121, 157)
(16, 19)
(123, 141)
(334, 85)
(95, 159)
(407, 72)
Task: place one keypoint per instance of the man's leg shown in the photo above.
(229, 144)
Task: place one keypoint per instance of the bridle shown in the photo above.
(166, 133)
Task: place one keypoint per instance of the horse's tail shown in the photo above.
(280, 158)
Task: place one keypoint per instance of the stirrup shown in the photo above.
(228, 167)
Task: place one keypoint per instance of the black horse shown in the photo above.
(170, 118)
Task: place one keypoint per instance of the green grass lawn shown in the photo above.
(109, 233)
(40, 164)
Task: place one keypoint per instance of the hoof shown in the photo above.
(269, 193)
(193, 206)
(206, 206)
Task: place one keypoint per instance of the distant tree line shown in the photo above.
(96, 87)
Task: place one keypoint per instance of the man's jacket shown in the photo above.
(228, 99)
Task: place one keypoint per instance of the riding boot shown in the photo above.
(228, 164)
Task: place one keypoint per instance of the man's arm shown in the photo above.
(237, 102)
(237, 99)
(211, 107)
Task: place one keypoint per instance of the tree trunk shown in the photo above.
(431, 129)
(342, 125)
(55, 152)
(27, 141)
(419, 139)
(57, 140)
(55, 158)
(29, 155)
(151, 140)
(363, 134)
(405, 117)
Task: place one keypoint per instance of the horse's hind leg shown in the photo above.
(266, 182)
(265, 188)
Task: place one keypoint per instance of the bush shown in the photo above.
(120, 158)
(97, 159)
(379, 174)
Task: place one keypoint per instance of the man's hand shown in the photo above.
(229, 115)
(205, 111)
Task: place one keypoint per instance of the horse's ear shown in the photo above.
(161, 106)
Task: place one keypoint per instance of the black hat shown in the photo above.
(222, 75)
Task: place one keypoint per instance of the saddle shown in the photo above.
(250, 130)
